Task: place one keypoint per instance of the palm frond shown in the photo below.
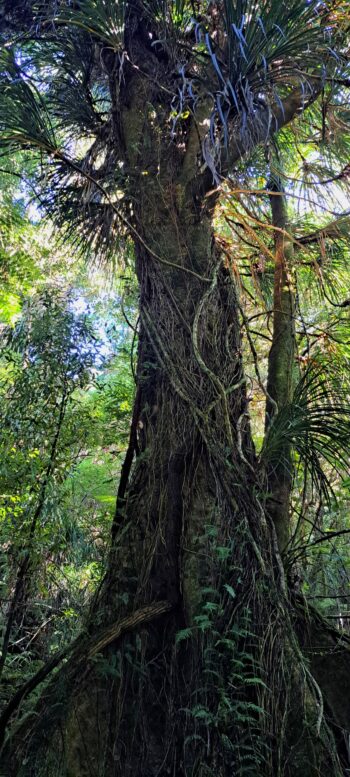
(317, 426)
(103, 19)
(93, 228)
(319, 171)
(77, 193)
(86, 204)
(24, 119)
(78, 98)
(266, 50)
(264, 36)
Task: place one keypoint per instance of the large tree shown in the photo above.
(199, 657)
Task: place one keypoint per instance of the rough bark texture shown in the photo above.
(218, 684)
(194, 532)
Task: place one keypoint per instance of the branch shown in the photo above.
(325, 538)
(85, 651)
(333, 230)
(270, 119)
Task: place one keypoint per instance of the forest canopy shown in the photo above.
(174, 386)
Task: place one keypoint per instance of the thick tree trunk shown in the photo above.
(216, 682)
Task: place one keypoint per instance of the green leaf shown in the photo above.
(182, 635)
(230, 590)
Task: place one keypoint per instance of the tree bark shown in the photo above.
(281, 367)
(217, 684)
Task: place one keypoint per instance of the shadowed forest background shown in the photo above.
(174, 388)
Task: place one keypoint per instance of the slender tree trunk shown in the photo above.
(18, 610)
(281, 366)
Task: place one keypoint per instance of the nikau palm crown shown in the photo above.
(143, 118)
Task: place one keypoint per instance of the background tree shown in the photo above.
(64, 412)
(172, 106)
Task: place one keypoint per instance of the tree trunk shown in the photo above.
(281, 366)
(217, 683)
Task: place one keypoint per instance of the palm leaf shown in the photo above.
(317, 426)
(260, 34)
(267, 49)
(78, 98)
(24, 119)
(76, 193)
(103, 19)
